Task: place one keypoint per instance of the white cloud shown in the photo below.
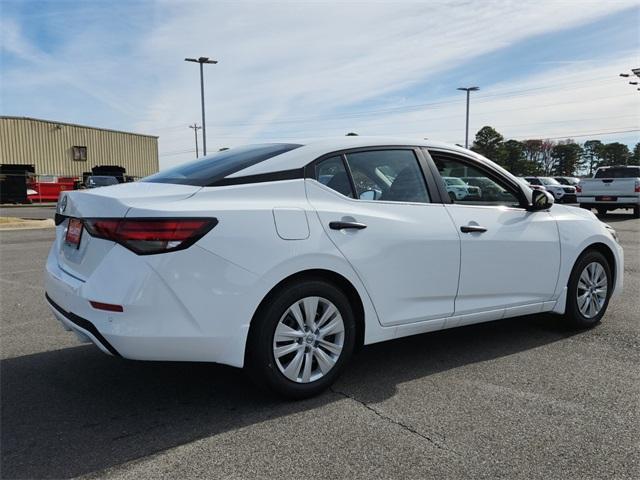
(312, 61)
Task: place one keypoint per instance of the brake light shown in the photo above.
(578, 189)
(637, 189)
(146, 236)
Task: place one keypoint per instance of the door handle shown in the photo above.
(344, 225)
(473, 229)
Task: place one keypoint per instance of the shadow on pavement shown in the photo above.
(75, 411)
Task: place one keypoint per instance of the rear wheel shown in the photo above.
(602, 211)
(302, 339)
(636, 212)
(589, 290)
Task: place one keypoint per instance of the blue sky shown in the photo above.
(292, 70)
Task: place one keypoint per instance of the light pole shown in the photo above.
(202, 61)
(466, 131)
(195, 133)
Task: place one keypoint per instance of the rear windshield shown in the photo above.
(618, 172)
(209, 170)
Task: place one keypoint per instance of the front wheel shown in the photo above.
(302, 339)
(602, 211)
(589, 290)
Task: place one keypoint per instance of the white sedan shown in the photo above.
(285, 258)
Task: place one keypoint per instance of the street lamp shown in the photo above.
(202, 61)
(466, 131)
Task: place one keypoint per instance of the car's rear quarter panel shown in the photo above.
(248, 254)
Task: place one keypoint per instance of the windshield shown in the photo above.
(209, 170)
(454, 181)
(549, 181)
(618, 172)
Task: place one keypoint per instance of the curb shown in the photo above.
(27, 225)
(27, 205)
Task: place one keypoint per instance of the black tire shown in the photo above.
(636, 212)
(573, 314)
(260, 362)
(602, 211)
(452, 196)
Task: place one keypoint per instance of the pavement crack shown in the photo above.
(400, 424)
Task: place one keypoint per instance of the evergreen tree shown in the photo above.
(566, 158)
(592, 155)
(615, 154)
(488, 142)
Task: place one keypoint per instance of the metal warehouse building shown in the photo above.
(68, 150)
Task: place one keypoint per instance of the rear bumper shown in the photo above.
(183, 307)
(628, 201)
(81, 326)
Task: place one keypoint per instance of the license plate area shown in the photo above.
(606, 198)
(74, 233)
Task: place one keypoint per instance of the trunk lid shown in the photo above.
(115, 201)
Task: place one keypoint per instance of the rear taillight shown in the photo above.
(146, 236)
(637, 188)
(578, 189)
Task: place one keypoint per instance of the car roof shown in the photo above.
(314, 148)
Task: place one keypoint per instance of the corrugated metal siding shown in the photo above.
(49, 146)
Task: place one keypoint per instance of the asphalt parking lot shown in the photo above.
(519, 398)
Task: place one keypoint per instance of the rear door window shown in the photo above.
(209, 170)
(388, 176)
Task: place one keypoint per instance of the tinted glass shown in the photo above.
(618, 172)
(388, 175)
(211, 169)
(475, 187)
(331, 172)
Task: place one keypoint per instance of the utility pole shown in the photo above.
(466, 131)
(202, 61)
(195, 133)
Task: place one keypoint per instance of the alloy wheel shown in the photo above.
(592, 290)
(308, 339)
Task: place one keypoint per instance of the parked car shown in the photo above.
(611, 188)
(95, 181)
(459, 190)
(561, 193)
(245, 258)
(570, 181)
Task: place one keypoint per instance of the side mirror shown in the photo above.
(540, 200)
(368, 195)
